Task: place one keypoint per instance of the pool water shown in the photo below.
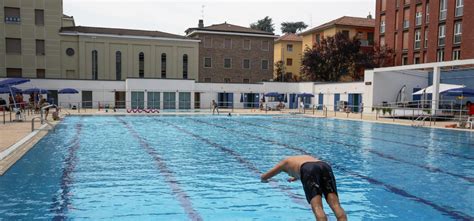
(208, 168)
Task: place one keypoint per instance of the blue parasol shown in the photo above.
(305, 95)
(13, 81)
(459, 92)
(68, 91)
(273, 94)
(6, 90)
(36, 90)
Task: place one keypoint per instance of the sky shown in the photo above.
(176, 16)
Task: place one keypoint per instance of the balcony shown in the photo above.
(12, 20)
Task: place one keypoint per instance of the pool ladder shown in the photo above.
(420, 120)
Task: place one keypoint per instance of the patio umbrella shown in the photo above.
(36, 90)
(460, 92)
(272, 94)
(442, 88)
(305, 95)
(68, 91)
(6, 90)
(13, 81)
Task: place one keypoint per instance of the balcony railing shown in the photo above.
(459, 11)
(457, 39)
(442, 15)
(441, 41)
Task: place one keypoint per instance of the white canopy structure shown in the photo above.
(442, 88)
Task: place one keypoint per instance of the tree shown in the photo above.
(293, 27)
(281, 75)
(265, 24)
(339, 58)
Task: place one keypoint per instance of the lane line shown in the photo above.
(62, 203)
(375, 152)
(385, 140)
(167, 173)
(446, 211)
(294, 197)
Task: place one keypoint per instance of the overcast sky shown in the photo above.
(176, 16)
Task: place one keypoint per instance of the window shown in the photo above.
(407, 2)
(228, 43)
(39, 17)
(13, 45)
(426, 38)
(169, 100)
(207, 80)
(95, 65)
(184, 100)
(457, 32)
(419, 18)
(141, 65)
(40, 47)
(246, 64)
(40, 73)
(405, 40)
(346, 34)
(397, 45)
(405, 60)
(318, 38)
(289, 47)
(440, 55)
(382, 25)
(185, 66)
(226, 80)
(443, 9)
(227, 63)
(118, 65)
(265, 45)
(383, 5)
(207, 42)
(208, 62)
(12, 15)
(264, 64)
(459, 8)
(382, 41)
(246, 44)
(406, 18)
(153, 100)
(246, 81)
(289, 62)
(14, 72)
(163, 65)
(442, 35)
(417, 39)
(370, 38)
(417, 60)
(456, 54)
(427, 11)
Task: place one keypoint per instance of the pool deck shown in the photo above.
(12, 134)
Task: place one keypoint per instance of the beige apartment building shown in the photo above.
(38, 41)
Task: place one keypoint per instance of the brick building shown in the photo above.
(424, 31)
(233, 54)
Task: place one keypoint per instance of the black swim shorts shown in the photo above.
(317, 179)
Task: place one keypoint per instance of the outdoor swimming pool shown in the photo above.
(208, 168)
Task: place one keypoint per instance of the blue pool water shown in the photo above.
(207, 168)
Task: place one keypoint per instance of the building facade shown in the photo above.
(362, 28)
(425, 31)
(233, 54)
(288, 50)
(38, 41)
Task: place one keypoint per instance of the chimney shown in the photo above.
(201, 23)
(369, 16)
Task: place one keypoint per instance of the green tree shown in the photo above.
(265, 24)
(339, 58)
(293, 27)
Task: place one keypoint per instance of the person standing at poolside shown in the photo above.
(317, 179)
(215, 107)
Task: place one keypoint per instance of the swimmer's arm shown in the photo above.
(274, 171)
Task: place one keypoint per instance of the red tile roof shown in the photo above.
(224, 27)
(290, 37)
(344, 21)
